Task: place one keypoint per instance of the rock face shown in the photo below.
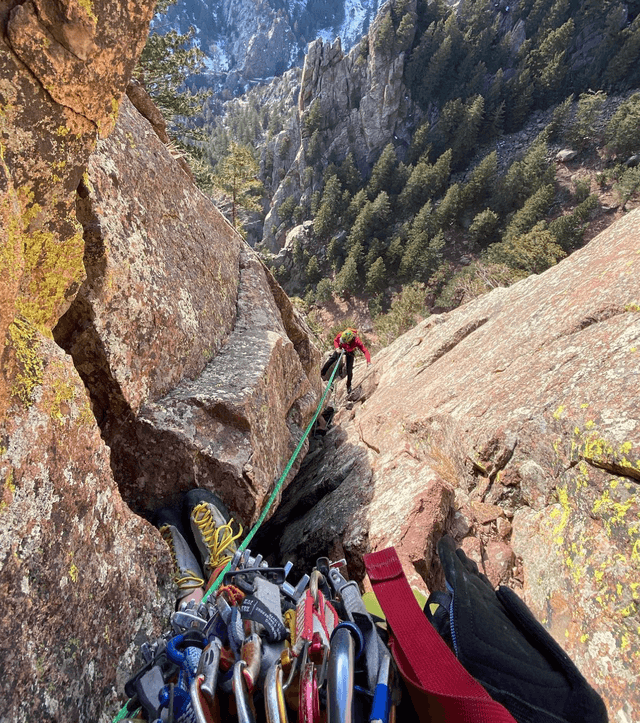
(512, 422)
(348, 103)
(146, 289)
(256, 39)
(79, 572)
(200, 372)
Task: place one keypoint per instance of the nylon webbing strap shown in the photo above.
(245, 543)
(450, 693)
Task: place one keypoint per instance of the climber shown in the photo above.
(205, 527)
(349, 342)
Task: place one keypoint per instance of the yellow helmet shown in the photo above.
(347, 336)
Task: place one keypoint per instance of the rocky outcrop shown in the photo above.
(248, 40)
(269, 52)
(79, 572)
(199, 370)
(145, 288)
(512, 422)
(347, 103)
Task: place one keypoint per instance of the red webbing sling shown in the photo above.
(440, 687)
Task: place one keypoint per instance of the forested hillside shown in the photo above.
(459, 207)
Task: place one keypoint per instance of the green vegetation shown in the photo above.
(237, 176)
(408, 217)
(168, 61)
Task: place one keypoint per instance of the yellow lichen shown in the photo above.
(52, 267)
(25, 342)
(563, 498)
(87, 6)
(558, 413)
(63, 394)
(73, 572)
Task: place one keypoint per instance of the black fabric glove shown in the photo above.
(507, 650)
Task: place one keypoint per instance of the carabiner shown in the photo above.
(243, 704)
(340, 672)
(274, 702)
(209, 667)
(202, 711)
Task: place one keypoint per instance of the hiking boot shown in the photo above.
(211, 526)
(187, 572)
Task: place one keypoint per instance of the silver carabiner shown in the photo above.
(340, 671)
(245, 712)
(208, 667)
(274, 702)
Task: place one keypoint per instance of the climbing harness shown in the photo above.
(159, 668)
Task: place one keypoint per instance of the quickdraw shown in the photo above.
(239, 657)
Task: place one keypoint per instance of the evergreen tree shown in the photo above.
(624, 65)
(168, 59)
(450, 207)
(348, 280)
(326, 219)
(479, 186)
(349, 174)
(358, 202)
(623, 130)
(376, 277)
(534, 209)
(312, 272)
(583, 129)
(533, 252)
(484, 226)
(419, 144)
(237, 176)
(382, 175)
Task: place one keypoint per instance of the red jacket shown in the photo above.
(352, 346)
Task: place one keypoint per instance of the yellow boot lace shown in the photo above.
(186, 580)
(218, 538)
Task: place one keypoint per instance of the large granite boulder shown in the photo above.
(513, 423)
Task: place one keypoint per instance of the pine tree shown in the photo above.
(348, 280)
(623, 130)
(376, 277)
(349, 174)
(533, 252)
(419, 144)
(382, 175)
(479, 186)
(237, 176)
(312, 272)
(534, 209)
(484, 226)
(167, 60)
(624, 64)
(326, 219)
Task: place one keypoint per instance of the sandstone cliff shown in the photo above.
(79, 572)
(512, 422)
(187, 364)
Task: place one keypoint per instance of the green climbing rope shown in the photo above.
(124, 712)
(245, 543)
